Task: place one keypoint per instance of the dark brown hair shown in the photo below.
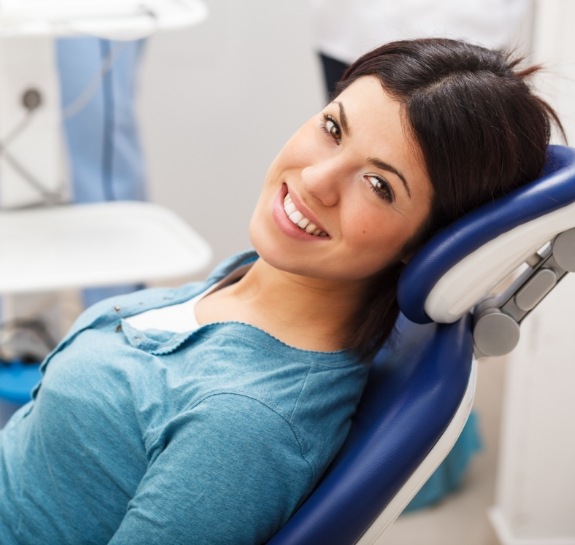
(481, 131)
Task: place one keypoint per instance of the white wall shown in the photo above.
(554, 47)
(217, 102)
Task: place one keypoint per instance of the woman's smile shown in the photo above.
(298, 218)
(295, 219)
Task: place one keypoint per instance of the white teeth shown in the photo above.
(289, 207)
(296, 217)
(300, 220)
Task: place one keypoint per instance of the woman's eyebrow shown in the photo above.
(343, 118)
(386, 166)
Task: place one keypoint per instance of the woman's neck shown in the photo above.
(307, 313)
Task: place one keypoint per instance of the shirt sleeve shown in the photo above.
(229, 471)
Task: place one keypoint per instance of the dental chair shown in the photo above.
(462, 297)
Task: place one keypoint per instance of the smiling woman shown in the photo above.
(354, 173)
(390, 161)
(207, 413)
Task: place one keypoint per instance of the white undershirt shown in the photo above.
(180, 317)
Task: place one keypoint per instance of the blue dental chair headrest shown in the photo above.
(456, 269)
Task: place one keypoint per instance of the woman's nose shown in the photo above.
(322, 181)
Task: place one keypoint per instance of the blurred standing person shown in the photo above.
(98, 86)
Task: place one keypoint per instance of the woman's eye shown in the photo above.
(380, 187)
(330, 126)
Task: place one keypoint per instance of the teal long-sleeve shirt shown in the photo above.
(207, 437)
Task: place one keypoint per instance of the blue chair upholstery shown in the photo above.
(420, 389)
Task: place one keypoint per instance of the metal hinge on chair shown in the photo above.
(497, 320)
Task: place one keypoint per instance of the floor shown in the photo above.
(461, 519)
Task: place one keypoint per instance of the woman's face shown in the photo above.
(345, 193)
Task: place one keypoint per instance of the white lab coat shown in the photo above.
(345, 29)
